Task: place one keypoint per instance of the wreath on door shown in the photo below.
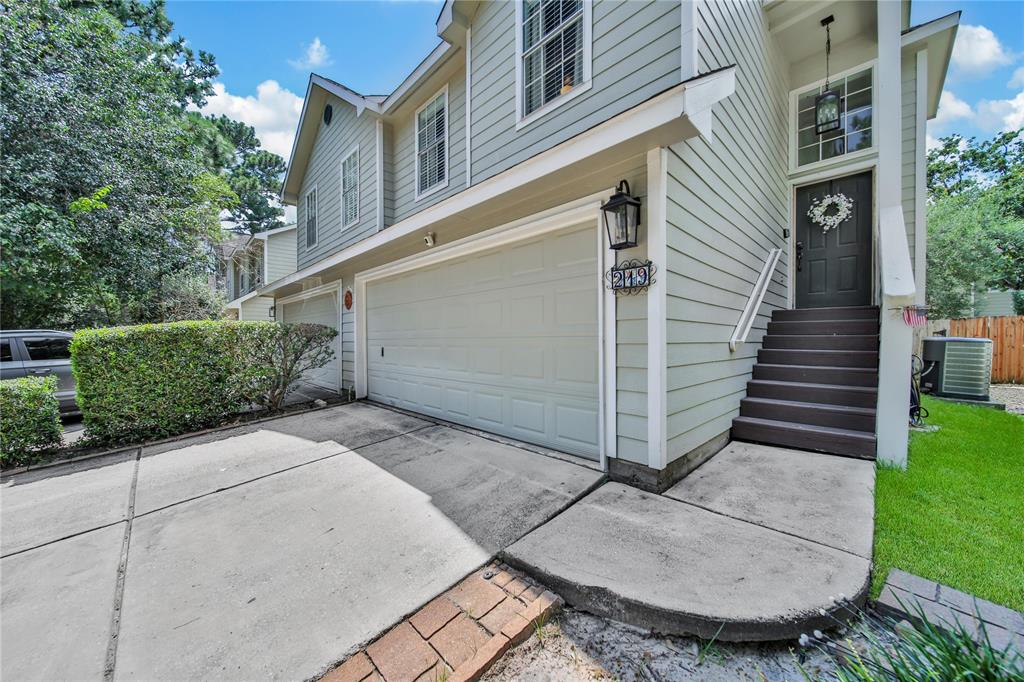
(830, 211)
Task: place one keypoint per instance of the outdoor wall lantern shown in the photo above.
(272, 313)
(621, 218)
(826, 105)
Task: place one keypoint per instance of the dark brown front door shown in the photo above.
(834, 268)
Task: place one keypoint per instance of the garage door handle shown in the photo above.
(382, 351)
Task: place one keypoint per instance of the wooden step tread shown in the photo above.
(856, 370)
(827, 439)
(845, 409)
(809, 428)
(804, 384)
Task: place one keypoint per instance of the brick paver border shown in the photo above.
(459, 635)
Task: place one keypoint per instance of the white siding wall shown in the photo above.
(728, 203)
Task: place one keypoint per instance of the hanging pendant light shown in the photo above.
(827, 104)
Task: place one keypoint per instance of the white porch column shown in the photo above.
(891, 423)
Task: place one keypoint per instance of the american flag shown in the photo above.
(915, 315)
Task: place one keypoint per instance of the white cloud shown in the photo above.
(273, 112)
(1001, 114)
(951, 108)
(931, 142)
(1017, 79)
(317, 55)
(977, 51)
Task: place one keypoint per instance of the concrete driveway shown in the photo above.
(267, 551)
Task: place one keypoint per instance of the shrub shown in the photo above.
(29, 418)
(294, 350)
(159, 380)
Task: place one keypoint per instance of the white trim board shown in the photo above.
(563, 217)
(379, 153)
(657, 304)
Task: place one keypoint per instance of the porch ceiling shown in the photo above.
(797, 25)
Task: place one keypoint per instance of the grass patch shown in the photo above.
(956, 515)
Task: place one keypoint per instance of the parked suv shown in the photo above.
(40, 352)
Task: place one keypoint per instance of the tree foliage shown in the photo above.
(109, 185)
(975, 220)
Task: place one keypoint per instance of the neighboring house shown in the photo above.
(451, 229)
(249, 262)
(993, 303)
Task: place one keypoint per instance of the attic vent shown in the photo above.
(328, 114)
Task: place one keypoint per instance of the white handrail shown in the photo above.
(746, 321)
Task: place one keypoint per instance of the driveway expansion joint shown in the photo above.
(122, 572)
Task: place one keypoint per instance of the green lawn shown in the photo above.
(956, 515)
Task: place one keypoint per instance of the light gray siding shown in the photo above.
(909, 158)
(281, 255)
(332, 144)
(993, 303)
(727, 206)
(636, 54)
(631, 347)
(404, 159)
(348, 340)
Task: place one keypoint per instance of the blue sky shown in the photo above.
(267, 49)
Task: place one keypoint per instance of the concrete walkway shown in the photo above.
(270, 551)
(749, 547)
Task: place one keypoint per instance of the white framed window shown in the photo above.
(855, 136)
(432, 145)
(553, 54)
(312, 218)
(350, 188)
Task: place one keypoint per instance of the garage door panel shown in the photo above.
(323, 310)
(505, 341)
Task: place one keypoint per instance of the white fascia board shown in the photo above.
(276, 230)
(422, 71)
(661, 110)
(937, 37)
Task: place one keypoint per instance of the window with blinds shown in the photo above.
(552, 50)
(311, 218)
(432, 144)
(350, 189)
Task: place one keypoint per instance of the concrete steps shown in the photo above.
(815, 383)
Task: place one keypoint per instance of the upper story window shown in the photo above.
(311, 218)
(855, 132)
(350, 189)
(553, 43)
(432, 145)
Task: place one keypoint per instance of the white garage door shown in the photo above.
(504, 340)
(321, 309)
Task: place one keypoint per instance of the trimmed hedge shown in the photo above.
(159, 380)
(29, 418)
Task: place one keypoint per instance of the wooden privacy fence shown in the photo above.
(1007, 334)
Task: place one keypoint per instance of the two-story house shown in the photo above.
(452, 229)
(250, 261)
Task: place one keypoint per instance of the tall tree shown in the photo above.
(975, 219)
(255, 176)
(103, 192)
